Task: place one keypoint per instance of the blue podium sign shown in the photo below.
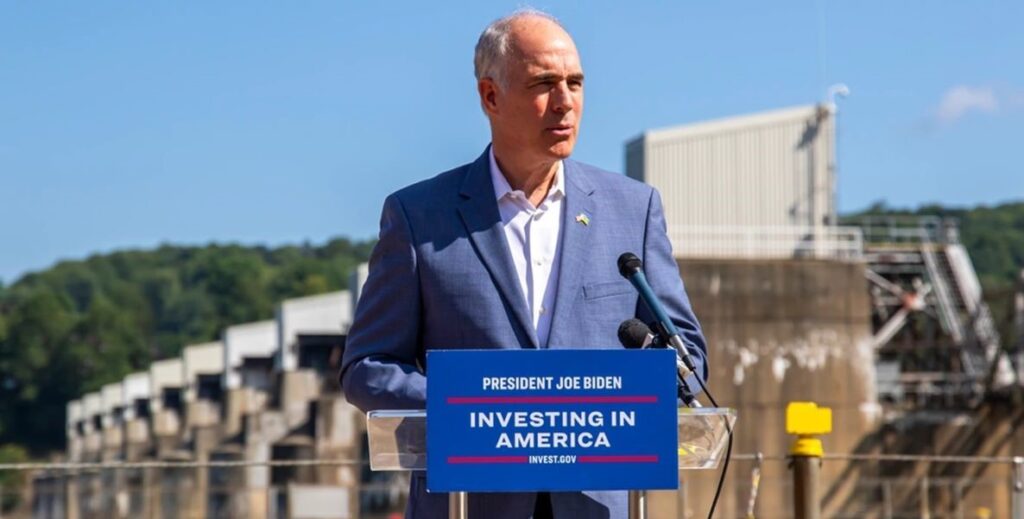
(551, 420)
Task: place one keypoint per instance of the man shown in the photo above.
(517, 249)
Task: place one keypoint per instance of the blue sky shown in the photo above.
(130, 124)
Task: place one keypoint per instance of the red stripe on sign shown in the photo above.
(641, 399)
(619, 459)
(459, 460)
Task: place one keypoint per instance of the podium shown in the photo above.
(564, 420)
(397, 442)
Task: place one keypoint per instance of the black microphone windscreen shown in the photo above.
(629, 264)
(633, 333)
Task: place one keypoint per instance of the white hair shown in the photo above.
(493, 47)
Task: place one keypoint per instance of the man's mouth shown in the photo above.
(561, 130)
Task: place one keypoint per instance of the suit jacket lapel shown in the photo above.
(577, 231)
(479, 211)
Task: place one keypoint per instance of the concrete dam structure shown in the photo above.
(778, 331)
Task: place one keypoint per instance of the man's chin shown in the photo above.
(561, 150)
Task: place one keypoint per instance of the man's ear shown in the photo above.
(488, 91)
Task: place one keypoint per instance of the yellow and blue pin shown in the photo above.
(583, 219)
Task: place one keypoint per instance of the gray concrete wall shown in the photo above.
(779, 331)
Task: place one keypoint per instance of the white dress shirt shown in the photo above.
(534, 238)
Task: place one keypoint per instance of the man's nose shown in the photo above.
(561, 98)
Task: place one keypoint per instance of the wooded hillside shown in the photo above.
(70, 329)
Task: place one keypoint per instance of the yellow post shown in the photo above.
(807, 421)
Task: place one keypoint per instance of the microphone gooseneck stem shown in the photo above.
(667, 330)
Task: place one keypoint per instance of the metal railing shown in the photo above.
(767, 242)
(198, 490)
(183, 501)
(884, 486)
(905, 229)
(880, 486)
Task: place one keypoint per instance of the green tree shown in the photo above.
(12, 481)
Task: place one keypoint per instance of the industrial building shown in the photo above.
(753, 186)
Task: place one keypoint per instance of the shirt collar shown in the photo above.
(502, 187)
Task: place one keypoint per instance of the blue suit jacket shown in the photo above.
(442, 277)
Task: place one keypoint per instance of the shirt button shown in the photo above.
(542, 310)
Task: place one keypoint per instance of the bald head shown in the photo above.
(513, 35)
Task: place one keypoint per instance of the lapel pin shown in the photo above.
(583, 219)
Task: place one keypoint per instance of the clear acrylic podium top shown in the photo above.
(398, 439)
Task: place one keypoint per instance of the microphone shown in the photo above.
(632, 269)
(635, 335)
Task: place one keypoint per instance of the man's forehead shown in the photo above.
(557, 56)
(559, 62)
